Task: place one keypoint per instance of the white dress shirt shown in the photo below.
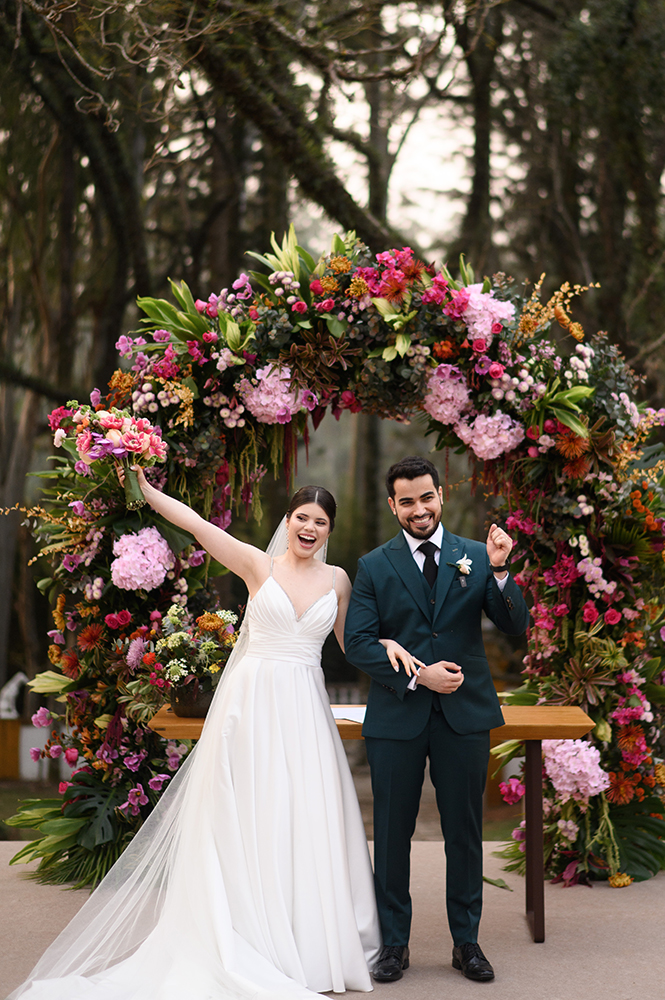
(419, 556)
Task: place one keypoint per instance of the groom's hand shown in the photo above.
(442, 676)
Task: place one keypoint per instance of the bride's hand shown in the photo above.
(140, 475)
(397, 654)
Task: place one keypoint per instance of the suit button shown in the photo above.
(435, 635)
(432, 600)
(509, 602)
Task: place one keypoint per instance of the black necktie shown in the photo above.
(430, 568)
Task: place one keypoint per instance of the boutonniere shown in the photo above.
(464, 566)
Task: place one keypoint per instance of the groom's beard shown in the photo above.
(421, 531)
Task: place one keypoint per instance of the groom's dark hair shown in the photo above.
(410, 467)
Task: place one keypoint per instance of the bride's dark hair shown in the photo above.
(314, 494)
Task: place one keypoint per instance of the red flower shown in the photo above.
(326, 306)
(612, 616)
(315, 287)
(590, 613)
(90, 637)
(112, 621)
(124, 618)
(299, 307)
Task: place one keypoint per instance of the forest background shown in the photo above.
(147, 140)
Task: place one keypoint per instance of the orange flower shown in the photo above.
(90, 637)
(622, 788)
(358, 288)
(445, 349)
(54, 654)
(620, 881)
(578, 468)
(571, 445)
(340, 265)
(69, 664)
(58, 617)
(210, 623)
(149, 659)
(629, 736)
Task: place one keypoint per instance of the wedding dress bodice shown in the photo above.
(276, 632)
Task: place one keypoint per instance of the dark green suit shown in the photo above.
(392, 600)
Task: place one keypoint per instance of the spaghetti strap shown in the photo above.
(333, 583)
(272, 559)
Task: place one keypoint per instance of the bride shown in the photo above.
(252, 876)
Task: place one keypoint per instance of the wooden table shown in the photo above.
(529, 723)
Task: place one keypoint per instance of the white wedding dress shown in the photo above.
(252, 878)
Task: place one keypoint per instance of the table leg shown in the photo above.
(533, 813)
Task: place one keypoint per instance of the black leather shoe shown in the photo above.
(394, 958)
(471, 962)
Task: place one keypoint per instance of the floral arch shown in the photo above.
(216, 391)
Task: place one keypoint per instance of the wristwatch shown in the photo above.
(499, 569)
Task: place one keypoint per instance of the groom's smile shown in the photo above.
(417, 505)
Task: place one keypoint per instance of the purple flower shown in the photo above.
(662, 633)
(243, 283)
(309, 399)
(157, 782)
(56, 636)
(483, 365)
(135, 653)
(78, 507)
(95, 397)
(55, 751)
(141, 361)
(134, 761)
(124, 346)
(82, 469)
(35, 753)
(135, 799)
(196, 557)
(161, 336)
(41, 718)
(70, 562)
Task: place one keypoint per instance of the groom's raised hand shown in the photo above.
(499, 546)
(443, 676)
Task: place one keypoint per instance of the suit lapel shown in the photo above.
(399, 554)
(451, 551)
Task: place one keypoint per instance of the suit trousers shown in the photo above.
(458, 769)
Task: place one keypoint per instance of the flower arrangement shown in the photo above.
(214, 391)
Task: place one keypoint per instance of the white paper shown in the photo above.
(352, 713)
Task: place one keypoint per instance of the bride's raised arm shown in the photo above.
(244, 560)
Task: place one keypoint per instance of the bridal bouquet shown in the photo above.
(97, 435)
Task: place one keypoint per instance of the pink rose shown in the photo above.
(35, 754)
(612, 616)
(590, 613)
(253, 314)
(135, 442)
(533, 433)
(201, 306)
(497, 328)
(84, 443)
(112, 621)
(210, 337)
(496, 370)
(124, 618)
(479, 346)
(315, 287)
(63, 786)
(55, 751)
(41, 718)
(71, 755)
(532, 451)
(326, 306)
(299, 306)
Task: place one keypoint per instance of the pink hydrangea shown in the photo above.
(271, 398)
(447, 396)
(484, 313)
(490, 437)
(142, 560)
(573, 767)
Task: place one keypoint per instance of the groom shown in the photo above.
(426, 590)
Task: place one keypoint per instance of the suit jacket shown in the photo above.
(391, 600)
